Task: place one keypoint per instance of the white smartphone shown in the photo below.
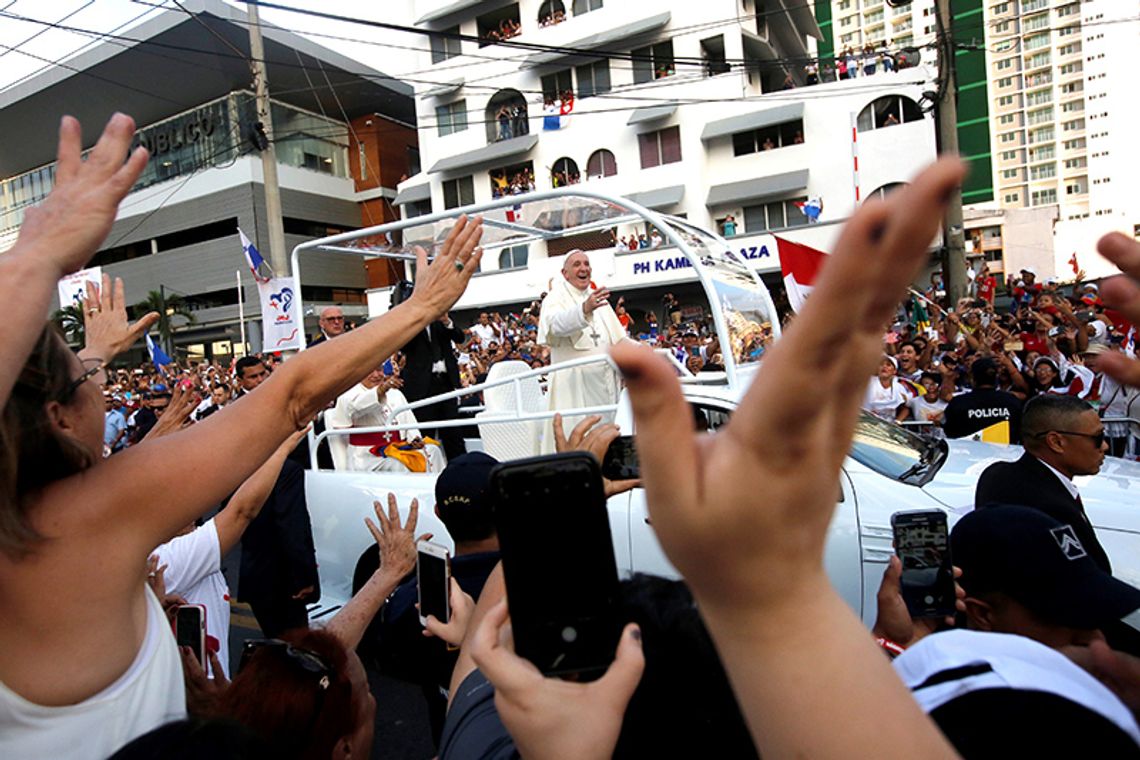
(433, 579)
(190, 629)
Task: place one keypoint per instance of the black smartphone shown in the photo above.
(190, 629)
(433, 576)
(922, 542)
(558, 562)
(620, 461)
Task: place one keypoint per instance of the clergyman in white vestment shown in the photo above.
(577, 321)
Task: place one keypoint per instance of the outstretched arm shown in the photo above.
(61, 234)
(397, 558)
(700, 490)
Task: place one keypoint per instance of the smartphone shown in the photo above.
(389, 368)
(1055, 331)
(190, 629)
(433, 578)
(1014, 345)
(551, 513)
(922, 542)
(620, 461)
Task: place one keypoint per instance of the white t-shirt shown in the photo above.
(150, 693)
(884, 402)
(194, 571)
(926, 411)
(486, 333)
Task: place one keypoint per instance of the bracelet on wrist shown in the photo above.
(892, 648)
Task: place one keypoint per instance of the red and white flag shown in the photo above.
(799, 265)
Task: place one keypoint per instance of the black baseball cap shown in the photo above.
(462, 491)
(1039, 562)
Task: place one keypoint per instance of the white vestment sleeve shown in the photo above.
(360, 399)
(568, 322)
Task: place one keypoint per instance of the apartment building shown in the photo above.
(698, 122)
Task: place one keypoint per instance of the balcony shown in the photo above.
(1033, 5)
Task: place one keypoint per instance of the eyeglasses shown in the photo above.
(91, 368)
(1097, 438)
(309, 661)
(333, 319)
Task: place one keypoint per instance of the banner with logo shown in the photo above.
(73, 288)
(281, 322)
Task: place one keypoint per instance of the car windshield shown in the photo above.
(896, 452)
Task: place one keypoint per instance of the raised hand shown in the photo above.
(589, 436)
(397, 542)
(69, 225)
(107, 329)
(769, 480)
(1123, 294)
(440, 283)
(548, 717)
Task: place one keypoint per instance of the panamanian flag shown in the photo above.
(254, 258)
(800, 265)
(811, 208)
(556, 115)
(158, 357)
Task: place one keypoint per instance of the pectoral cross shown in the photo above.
(594, 333)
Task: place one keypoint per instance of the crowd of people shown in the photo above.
(742, 657)
(850, 63)
(504, 182)
(508, 28)
(963, 369)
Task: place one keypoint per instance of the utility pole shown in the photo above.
(278, 258)
(953, 232)
(164, 332)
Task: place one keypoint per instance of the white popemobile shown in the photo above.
(888, 469)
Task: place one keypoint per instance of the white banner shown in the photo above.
(73, 288)
(279, 314)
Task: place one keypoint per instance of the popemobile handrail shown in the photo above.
(519, 413)
(665, 225)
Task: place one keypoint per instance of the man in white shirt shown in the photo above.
(485, 331)
(371, 403)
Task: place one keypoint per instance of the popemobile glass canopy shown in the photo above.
(551, 223)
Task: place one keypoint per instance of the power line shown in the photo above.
(26, 40)
(57, 61)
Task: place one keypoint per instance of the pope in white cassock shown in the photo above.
(577, 321)
(370, 403)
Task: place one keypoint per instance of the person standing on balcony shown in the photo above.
(503, 116)
(577, 321)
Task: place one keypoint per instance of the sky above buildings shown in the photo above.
(28, 44)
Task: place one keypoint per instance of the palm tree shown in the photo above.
(69, 320)
(175, 306)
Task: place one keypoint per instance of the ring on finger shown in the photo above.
(458, 266)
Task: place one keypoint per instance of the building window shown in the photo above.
(551, 12)
(887, 112)
(1043, 197)
(774, 216)
(459, 192)
(601, 164)
(768, 138)
(653, 62)
(659, 148)
(1012, 198)
(593, 79)
(1009, 174)
(506, 116)
(413, 156)
(514, 257)
(362, 159)
(585, 6)
(444, 45)
(1074, 189)
(564, 172)
(555, 85)
(712, 52)
(451, 118)
(500, 24)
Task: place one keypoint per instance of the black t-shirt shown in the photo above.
(978, 409)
